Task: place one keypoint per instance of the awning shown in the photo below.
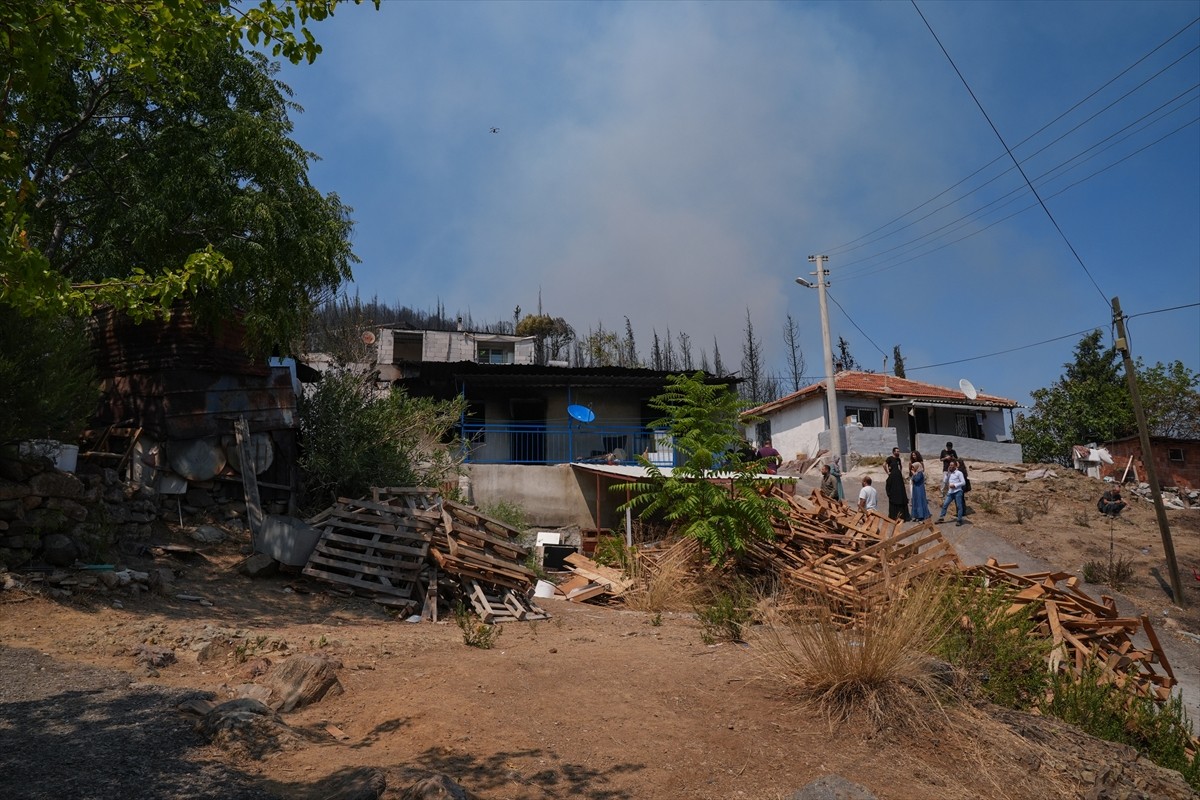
(940, 404)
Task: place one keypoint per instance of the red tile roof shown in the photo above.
(875, 384)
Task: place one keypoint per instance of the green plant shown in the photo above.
(1116, 572)
(1095, 571)
(355, 438)
(1021, 513)
(1164, 733)
(611, 551)
(726, 615)
(713, 495)
(476, 633)
(656, 621)
(996, 647)
(1040, 504)
(511, 514)
(988, 501)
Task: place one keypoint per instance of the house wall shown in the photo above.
(1185, 475)
(864, 441)
(551, 496)
(447, 346)
(970, 450)
(794, 429)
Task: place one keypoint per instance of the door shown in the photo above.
(527, 445)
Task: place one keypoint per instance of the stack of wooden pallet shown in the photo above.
(1087, 635)
(408, 545)
(854, 559)
(592, 581)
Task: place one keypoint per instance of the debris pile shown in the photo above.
(413, 549)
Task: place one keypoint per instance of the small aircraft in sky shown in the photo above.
(494, 130)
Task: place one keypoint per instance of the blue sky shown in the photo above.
(676, 163)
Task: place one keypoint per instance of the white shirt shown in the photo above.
(870, 496)
(954, 481)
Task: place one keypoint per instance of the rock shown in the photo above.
(162, 581)
(259, 565)
(436, 787)
(833, 787)
(207, 534)
(59, 550)
(10, 490)
(153, 655)
(56, 484)
(302, 680)
(247, 728)
(109, 579)
(252, 691)
(361, 784)
(70, 509)
(12, 509)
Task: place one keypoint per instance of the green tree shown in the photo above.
(355, 436)
(713, 495)
(898, 362)
(1171, 399)
(154, 45)
(1088, 403)
(552, 335)
(845, 359)
(129, 181)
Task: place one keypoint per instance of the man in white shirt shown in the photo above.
(952, 488)
(868, 498)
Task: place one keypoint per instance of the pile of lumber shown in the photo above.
(410, 547)
(854, 559)
(1087, 635)
(592, 581)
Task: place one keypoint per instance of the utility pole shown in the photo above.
(835, 429)
(1139, 414)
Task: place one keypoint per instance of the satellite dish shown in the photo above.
(368, 337)
(968, 389)
(581, 413)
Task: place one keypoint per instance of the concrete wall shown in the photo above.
(971, 450)
(551, 496)
(794, 429)
(864, 441)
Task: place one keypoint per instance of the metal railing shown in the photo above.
(564, 443)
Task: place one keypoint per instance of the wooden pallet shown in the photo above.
(369, 546)
(502, 605)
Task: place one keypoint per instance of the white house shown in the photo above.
(878, 412)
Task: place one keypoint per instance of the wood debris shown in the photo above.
(410, 547)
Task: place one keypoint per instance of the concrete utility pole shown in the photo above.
(1139, 414)
(835, 427)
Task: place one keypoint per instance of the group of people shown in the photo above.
(955, 485)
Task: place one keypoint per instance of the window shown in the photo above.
(867, 417)
(492, 354)
(763, 430)
(1175, 454)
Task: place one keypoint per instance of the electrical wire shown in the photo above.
(996, 131)
(855, 324)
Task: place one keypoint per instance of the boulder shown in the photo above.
(436, 787)
(259, 565)
(833, 787)
(302, 680)
(56, 484)
(360, 784)
(153, 656)
(248, 728)
(208, 534)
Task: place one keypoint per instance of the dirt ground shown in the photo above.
(595, 702)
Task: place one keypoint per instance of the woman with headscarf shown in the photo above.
(920, 500)
(897, 495)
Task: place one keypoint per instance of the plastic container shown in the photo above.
(64, 456)
(543, 589)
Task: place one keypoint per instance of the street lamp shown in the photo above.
(835, 438)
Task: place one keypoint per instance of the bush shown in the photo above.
(726, 614)
(354, 437)
(476, 633)
(879, 664)
(1163, 734)
(997, 648)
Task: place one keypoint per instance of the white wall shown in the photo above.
(794, 429)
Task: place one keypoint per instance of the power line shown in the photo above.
(983, 111)
(846, 247)
(1161, 310)
(855, 324)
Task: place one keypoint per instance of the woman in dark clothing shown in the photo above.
(897, 495)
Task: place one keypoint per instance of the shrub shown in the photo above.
(988, 501)
(1116, 572)
(999, 649)
(355, 437)
(475, 633)
(1083, 519)
(726, 614)
(1105, 711)
(667, 585)
(879, 664)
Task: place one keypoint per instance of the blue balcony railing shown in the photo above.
(564, 443)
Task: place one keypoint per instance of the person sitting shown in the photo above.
(1110, 503)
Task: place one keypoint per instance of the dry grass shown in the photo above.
(878, 667)
(664, 580)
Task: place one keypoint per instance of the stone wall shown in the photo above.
(56, 518)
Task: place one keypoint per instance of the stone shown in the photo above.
(247, 728)
(436, 787)
(12, 509)
(833, 787)
(11, 490)
(56, 484)
(109, 579)
(208, 534)
(162, 581)
(252, 691)
(153, 655)
(302, 680)
(259, 565)
(69, 508)
(59, 550)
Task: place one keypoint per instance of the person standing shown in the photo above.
(897, 495)
(835, 469)
(952, 487)
(770, 456)
(828, 483)
(947, 456)
(920, 500)
(868, 498)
